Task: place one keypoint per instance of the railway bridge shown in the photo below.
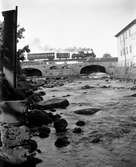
(69, 66)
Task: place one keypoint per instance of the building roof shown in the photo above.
(126, 27)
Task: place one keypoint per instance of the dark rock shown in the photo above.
(50, 115)
(29, 92)
(52, 103)
(34, 131)
(41, 93)
(38, 83)
(133, 95)
(77, 130)
(105, 86)
(38, 118)
(66, 95)
(54, 117)
(31, 145)
(80, 123)
(60, 125)
(34, 98)
(62, 142)
(97, 139)
(87, 111)
(87, 87)
(53, 110)
(44, 131)
(39, 151)
(133, 88)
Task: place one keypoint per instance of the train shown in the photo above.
(59, 55)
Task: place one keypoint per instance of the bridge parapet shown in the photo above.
(108, 63)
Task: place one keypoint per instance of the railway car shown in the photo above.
(62, 55)
(44, 56)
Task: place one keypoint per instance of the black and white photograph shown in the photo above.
(67, 83)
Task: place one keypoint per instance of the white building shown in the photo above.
(126, 43)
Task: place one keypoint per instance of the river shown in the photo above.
(114, 126)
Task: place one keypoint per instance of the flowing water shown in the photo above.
(109, 136)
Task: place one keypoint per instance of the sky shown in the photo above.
(67, 23)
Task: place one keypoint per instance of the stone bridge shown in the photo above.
(69, 67)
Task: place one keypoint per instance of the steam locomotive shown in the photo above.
(59, 55)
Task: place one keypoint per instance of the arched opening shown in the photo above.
(31, 72)
(92, 68)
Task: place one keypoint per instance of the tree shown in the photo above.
(21, 52)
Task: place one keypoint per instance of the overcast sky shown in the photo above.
(67, 23)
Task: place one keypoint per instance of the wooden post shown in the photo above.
(9, 52)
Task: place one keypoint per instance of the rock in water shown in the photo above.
(54, 117)
(87, 111)
(87, 87)
(52, 103)
(44, 131)
(34, 98)
(77, 130)
(38, 118)
(60, 125)
(80, 123)
(133, 95)
(62, 142)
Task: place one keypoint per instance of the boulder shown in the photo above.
(77, 130)
(105, 86)
(133, 95)
(28, 92)
(52, 103)
(96, 139)
(87, 111)
(41, 93)
(38, 118)
(80, 123)
(62, 142)
(87, 87)
(52, 110)
(34, 98)
(133, 88)
(44, 131)
(54, 117)
(60, 125)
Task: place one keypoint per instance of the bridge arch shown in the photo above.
(92, 68)
(31, 71)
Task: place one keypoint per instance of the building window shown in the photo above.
(124, 52)
(130, 49)
(126, 34)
